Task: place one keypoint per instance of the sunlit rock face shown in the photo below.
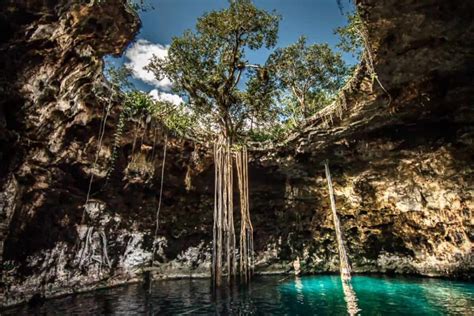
(403, 210)
(402, 170)
(402, 162)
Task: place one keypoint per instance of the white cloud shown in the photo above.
(139, 55)
(164, 96)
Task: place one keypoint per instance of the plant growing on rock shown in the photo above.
(351, 40)
(354, 39)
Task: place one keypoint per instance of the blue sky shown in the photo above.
(316, 19)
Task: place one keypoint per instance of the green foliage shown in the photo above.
(138, 103)
(275, 133)
(351, 40)
(206, 66)
(117, 139)
(119, 78)
(177, 120)
(310, 74)
(174, 117)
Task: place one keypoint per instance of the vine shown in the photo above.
(99, 148)
(355, 36)
(116, 145)
(157, 217)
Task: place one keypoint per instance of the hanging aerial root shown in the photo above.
(246, 228)
(157, 217)
(88, 255)
(363, 32)
(160, 198)
(103, 124)
(223, 228)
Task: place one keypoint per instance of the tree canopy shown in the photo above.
(226, 94)
(206, 66)
(311, 74)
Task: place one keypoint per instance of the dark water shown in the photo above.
(275, 295)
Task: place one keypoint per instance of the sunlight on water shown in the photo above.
(350, 298)
(275, 295)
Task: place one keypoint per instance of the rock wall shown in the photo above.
(402, 154)
(402, 170)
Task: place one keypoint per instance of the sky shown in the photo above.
(315, 19)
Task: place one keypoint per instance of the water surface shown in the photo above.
(270, 295)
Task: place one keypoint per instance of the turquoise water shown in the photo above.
(271, 295)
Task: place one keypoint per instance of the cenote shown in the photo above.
(270, 295)
(241, 157)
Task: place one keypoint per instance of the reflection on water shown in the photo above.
(350, 297)
(275, 295)
(299, 290)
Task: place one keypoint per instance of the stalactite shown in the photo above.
(87, 253)
(246, 228)
(105, 252)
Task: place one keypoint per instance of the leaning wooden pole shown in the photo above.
(345, 268)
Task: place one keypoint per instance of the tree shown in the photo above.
(310, 74)
(206, 68)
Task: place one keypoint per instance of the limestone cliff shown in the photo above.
(402, 162)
